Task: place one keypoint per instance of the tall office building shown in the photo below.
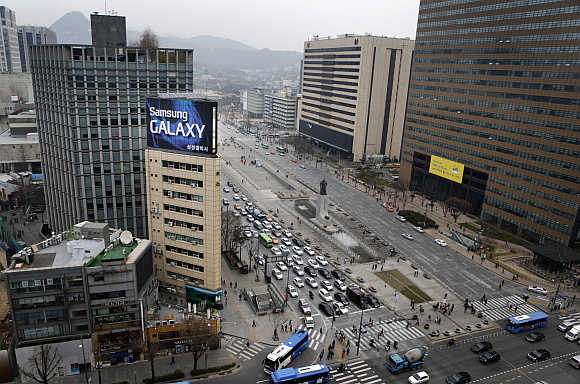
(9, 53)
(493, 113)
(253, 103)
(354, 92)
(90, 110)
(184, 198)
(29, 35)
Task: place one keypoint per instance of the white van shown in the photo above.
(573, 334)
(566, 325)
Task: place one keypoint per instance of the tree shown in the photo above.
(200, 337)
(402, 189)
(229, 225)
(44, 362)
(457, 207)
(148, 39)
(444, 207)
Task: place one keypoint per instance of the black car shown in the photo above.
(338, 275)
(341, 298)
(481, 347)
(326, 308)
(373, 302)
(310, 271)
(534, 337)
(458, 378)
(538, 355)
(297, 242)
(393, 251)
(489, 357)
(324, 273)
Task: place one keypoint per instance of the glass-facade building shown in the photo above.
(91, 122)
(495, 86)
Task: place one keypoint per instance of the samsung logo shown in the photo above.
(168, 113)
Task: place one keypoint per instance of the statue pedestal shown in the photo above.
(322, 208)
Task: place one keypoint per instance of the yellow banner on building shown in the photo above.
(451, 170)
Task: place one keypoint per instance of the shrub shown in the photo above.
(418, 219)
(170, 376)
(212, 369)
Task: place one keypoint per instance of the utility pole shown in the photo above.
(359, 331)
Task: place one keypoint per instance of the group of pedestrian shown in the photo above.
(416, 274)
(501, 284)
(484, 299)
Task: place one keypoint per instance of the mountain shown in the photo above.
(212, 52)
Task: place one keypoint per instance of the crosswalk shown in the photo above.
(393, 330)
(570, 316)
(357, 372)
(240, 349)
(498, 308)
(316, 338)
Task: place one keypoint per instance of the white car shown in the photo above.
(298, 270)
(311, 282)
(401, 218)
(267, 225)
(326, 285)
(308, 322)
(441, 242)
(248, 233)
(420, 230)
(419, 377)
(292, 291)
(407, 236)
(281, 266)
(244, 212)
(236, 197)
(286, 241)
(277, 226)
(249, 203)
(313, 263)
(250, 218)
(289, 261)
(297, 250)
(539, 290)
(297, 259)
(298, 282)
(321, 260)
(244, 198)
(277, 274)
(226, 190)
(339, 308)
(287, 234)
(310, 252)
(323, 293)
(225, 201)
(340, 285)
(255, 233)
(276, 251)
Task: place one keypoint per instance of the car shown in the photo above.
(372, 289)
(313, 263)
(539, 290)
(419, 229)
(340, 285)
(291, 290)
(255, 233)
(260, 260)
(248, 234)
(310, 271)
(225, 202)
(237, 207)
(226, 190)
(326, 285)
(244, 212)
(287, 234)
(390, 208)
(298, 270)
(310, 251)
(348, 270)
(535, 337)
(277, 274)
(311, 282)
(337, 274)
(360, 279)
(489, 357)
(281, 266)
(341, 298)
(267, 225)
(308, 322)
(339, 309)
(229, 183)
(289, 262)
(250, 218)
(236, 214)
(458, 378)
(575, 361)
(277, 233)
(284, 249)
(401, 218)
(297, 250)
(277, 226)
(539, 355)
(276, 251)
(266, 231)
(393, 251)
(326, 308)
(236, 190)
(324, 273)
(419, 378)
(275, 241)
(481, 347)
(249, 203)
(297, 242)
(407, 236)
(323, 293)
(244, 198)
(298, 282)
(441, 242)
(321, 260)
(373, 302)
(297, 259)
(285, 241)
(236, 197)
(304, 306)
(269, 219)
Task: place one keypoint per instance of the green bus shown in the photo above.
(281, 149)
(265, 146)
(266, 241)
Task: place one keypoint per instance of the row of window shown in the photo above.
(330, 109)
(330, 94)
(331, 62)
(184, 210)
(329, 88)
(183, 251)
(187, 279)
(334, 56)
(334, 49)
(543, 36)
(502, 28)
(331, 75)
(476, 9)
(183, 181)
(326, 123)
(503, 50)
(184, 224)
(331, 81)
(183, 264)
(180, 165)
(417, 59)
(182, 195)
(507, 73)
(327, 116)
(544, 182)
(331, 69)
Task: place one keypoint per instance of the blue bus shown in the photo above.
(526, 322)
(286, 352)
(313, 374)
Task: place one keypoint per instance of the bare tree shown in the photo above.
(444, 207)
(44, 364)
(402, 190)
(229, 225)
(149, 39)
(457, 207)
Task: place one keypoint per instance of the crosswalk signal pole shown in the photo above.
(359, 331)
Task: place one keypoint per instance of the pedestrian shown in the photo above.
(254, 323)
(321, 355)
(343, 354)
(230, 284)
(452, 308)
(172, 359)
(348, 351)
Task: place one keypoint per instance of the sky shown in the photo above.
(273, 24)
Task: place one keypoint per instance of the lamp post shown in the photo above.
(359, 331)
(82, 346)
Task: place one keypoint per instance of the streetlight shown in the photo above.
(359, 330)
(82, 346)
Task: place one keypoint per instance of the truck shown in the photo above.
(412, 359)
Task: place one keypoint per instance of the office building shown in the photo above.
(90, 283)
(29, 35)
(19, 146)
(253, 103)
(184, 199)
(354, 92)
(493, 113)
(280, 109)
(90, 110)
(9, 52)
(16, 92)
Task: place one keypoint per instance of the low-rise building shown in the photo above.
(280, 109)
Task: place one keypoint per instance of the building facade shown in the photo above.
(9, 52)
(280, 110)
(354, 93)
(253, 103)
(493, 113)
(29, 35)
(90, 109)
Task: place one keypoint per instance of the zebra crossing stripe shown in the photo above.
(362, 370)
(369, 378)
(249, 357)
(356, 363)
(350, 381)
(375, 381)
(235, 348)
(232, 351)
(255, 350)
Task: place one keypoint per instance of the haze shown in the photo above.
(260, 23)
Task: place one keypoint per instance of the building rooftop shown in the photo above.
(116, 254)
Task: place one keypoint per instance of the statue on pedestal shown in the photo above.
(323, 185)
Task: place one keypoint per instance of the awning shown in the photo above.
(203, 291)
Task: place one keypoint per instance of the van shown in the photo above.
(573, 334)
(566, 325)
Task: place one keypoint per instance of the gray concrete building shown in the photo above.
(90, 111)
(280, 109)
(9, 52)
(253, 103)
(354, 94)
(29, 35)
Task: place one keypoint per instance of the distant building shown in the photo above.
(16, 92)
(9, 52)
(19, 146)
(354, 94)
(253, 103)
(29, 35)
(280, 109)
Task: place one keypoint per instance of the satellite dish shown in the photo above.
(126, 237)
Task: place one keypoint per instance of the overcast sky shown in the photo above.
(274, 24)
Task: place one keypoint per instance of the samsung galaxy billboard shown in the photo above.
(186, 125)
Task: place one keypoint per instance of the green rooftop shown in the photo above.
(115, 254)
